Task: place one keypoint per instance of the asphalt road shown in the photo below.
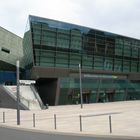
(20, 134)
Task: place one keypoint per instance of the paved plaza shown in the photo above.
(125, 118)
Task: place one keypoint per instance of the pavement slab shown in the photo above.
(125, 118)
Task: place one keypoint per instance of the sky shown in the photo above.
(116, 16)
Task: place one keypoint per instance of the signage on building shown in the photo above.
(100, 76)
(27, 82)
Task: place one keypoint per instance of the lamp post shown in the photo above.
(80, 79)
(18, 94)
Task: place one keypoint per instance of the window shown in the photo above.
(5, 50)
(98, 63)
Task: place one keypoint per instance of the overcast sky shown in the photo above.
(117, 16)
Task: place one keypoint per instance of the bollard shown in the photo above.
(80, 123)
(3, 117)
(110, 125)
(33, 119)
(55, 121)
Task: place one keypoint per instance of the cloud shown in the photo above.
(114, 16)
(118, 16)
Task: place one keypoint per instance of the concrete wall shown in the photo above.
(11, 43)
(27, 96)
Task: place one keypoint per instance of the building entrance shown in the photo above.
(106, 96)
(74, 96)
(47, 90)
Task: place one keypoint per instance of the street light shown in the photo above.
(81, 95)
(18, 94)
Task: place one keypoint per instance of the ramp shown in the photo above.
(27, 96)
(7, 100)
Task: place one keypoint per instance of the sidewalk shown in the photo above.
(125, 118)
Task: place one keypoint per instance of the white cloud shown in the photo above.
(118, 16)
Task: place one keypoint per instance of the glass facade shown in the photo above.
(7, 77)
(27, 49)
(98, 90)
(59, 44)
(54, 44)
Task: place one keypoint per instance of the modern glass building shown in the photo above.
(53, 50)
(10, 51)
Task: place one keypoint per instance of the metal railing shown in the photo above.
(56, 119)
